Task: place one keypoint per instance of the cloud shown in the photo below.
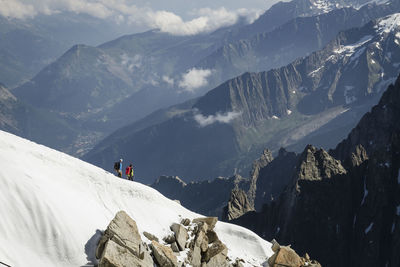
(16, 9)
(170, 81)
(204, 19)
(221, 118)
(131, 63)
(194, 79)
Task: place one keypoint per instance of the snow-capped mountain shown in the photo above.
(316, 99)
(54, 206)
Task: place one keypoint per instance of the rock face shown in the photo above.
(345, 202)
(206, 249)
(238, 205)
(121, 244)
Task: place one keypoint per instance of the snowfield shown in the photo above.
(53, 207)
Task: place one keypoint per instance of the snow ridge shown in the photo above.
(53, 207)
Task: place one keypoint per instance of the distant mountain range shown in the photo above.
(28, 45)
(121, 81)
(19, 118)
(317, 98)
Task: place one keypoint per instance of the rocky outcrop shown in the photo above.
(238, 205)
(121, 244)
(286, 256)
(265, 159)
(345, 202)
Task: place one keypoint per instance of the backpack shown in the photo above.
(127, 170)
(116, 165)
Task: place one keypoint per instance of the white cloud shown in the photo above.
(16, 9)
(203, 20)
(206, 20)
(170, 81)
(131, 63)
(222, 118)
(194, 79)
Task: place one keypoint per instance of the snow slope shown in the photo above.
(53, 206)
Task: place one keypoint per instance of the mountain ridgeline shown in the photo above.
(121, 81)
(316, 99)
(295, 38)
(342, 202)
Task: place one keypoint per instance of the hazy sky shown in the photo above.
(183, 17)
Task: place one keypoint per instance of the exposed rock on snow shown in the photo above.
(164, 255)
(286, 256)
(181, 235)
(121, 242)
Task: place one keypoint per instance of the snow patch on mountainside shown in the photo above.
(324, 5)
(349, 50)
(53, 207)
(389, 23)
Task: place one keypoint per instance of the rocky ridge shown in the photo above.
(193, 243)
(345, 201)
(317, 96)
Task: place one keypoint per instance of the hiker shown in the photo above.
(118, 168)
(129, 172)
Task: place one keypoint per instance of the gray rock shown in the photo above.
(195, 257)
(216, 248)
(210, 221)
(181, 235)
(174, 247)
(201, 241)
(185, 221)
(169, 239)
(164, 255)
(121, 244)
(117, 256)
(218, 260)
(212, 236)
(238, 205)
(150, 236)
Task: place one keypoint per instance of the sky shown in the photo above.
(179, 17)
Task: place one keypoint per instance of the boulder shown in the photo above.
(287, 257)
(218, 260)
(195, 257)
(121, 244)
(210, 221)
(181, 235)
(150, 236)
(201, 241)
(212, 236)
(164, 255)
(169, 239)
(174, 247)
(117, 256)
(185, 221)
(216, 248)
